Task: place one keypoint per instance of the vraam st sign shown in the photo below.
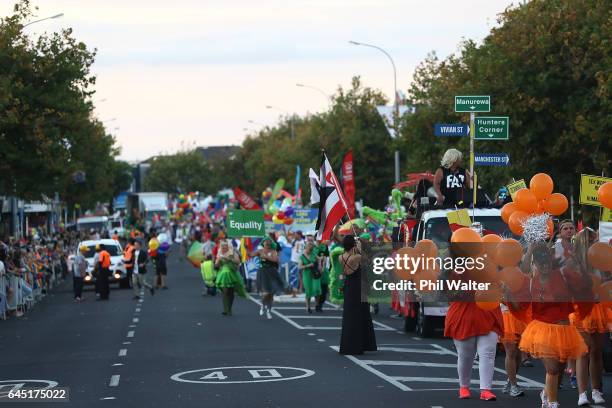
(452, 129)
(475, 103)
(491, 128)
(491, 159)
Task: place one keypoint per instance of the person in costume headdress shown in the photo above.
(228, 279)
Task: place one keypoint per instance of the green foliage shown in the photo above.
(184, 171)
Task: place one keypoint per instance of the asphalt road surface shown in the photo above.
(175, 349)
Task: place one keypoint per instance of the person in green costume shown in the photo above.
(336, 279)
(311, 276)
(323, 254)
(228, 279)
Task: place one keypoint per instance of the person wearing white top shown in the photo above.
(140, 269)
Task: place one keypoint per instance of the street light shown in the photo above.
(328, 97)
(109, 120)
(395, 105)
(43, 19)
(288, 115)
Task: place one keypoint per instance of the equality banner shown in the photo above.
(245, 223)
(245, 200)
(348, 181)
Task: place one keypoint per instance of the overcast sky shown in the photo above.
(197, 71)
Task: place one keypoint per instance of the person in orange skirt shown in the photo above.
(592, 328)
(549, 336)
(473, 330)
(513, 329)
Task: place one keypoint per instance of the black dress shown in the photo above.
(357, 328)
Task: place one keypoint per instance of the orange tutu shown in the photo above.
(598, 321)
(547, 340)
(513, 328)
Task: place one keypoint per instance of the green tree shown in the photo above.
(183, 171)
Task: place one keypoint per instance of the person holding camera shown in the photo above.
(311, 274)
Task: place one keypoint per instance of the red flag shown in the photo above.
(348, 183)
(332, 205)
(245, 200)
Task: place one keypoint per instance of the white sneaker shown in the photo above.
(516, 391)
(583, 399)
(544, 399)
(554, 404)
(506, 388)
(597, 397)
(261, 311)
(268, 314)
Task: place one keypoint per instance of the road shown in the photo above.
(173, 349)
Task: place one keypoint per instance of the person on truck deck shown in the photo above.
(451, 180)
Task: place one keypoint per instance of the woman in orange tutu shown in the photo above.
(513, 329)
(592, 328)
(549, 336)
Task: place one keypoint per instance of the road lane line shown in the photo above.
(135, 320)
(448, 380)
(415, 350)
(291, 322)
(107, 398)
(130, 333)
(137, 310)
(374, 371)
(321, 340)
(122, 352)
(311, 334)
(114, 381)
(127, 342)
(117, 364)
(132, 326)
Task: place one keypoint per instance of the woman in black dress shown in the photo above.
(269, 282)
(357, 328)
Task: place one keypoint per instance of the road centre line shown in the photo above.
(114, 381)
(374, 371)
(130, 333)
(135, 320)
(122, 352)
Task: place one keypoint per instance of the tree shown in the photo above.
(183, 171)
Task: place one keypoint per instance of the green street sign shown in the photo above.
(491, 127)
(245, 223)
(476, 103)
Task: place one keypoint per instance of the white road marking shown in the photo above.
(137, 309)
(127, 342)
(135, 320)
(130, 333)
(417, 338)
(117, 364)
(107, 398)
(291, 322)
(122, 352)
(374, 371)
(132, 326)
(449, 380)
(140, 300)
(332, 305)
(114, 381)
(313, 317)
(415, 350)
(321, 340)
(311, 334)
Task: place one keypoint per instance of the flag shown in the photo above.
(332, 204)
(314, 187)
(348, 182)
(246, 201)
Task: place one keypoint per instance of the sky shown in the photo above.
(195, 72)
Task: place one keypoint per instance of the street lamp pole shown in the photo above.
(288, 115)
(395, 104)
(42, 19)
(322, 92)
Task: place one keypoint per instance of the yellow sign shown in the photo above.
(588, 189)
(516, 186)
(606, 215)
(461, 217)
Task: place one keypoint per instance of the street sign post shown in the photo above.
(476, 103)
(453, 129)
(492, 128)
(491, 159)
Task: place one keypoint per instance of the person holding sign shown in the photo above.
(228, 278)
(269, 281)
(451, 180)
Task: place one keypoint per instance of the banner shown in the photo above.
(245, 223)
(588, 189)
(245, 200)
(516, 186)
(459, 217)
(348, 183)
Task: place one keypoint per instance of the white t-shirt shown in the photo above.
(2, 270)
(296, 251)
(136, 253)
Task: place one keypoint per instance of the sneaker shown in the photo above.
(583, 400)
(262, 310)
(464, 393)
(573, 382)
(544, 399)
(554, 404)
(268, 314)
(487, 395)
(516, 391)
(597, 397)
(506, 388)
(527, 363)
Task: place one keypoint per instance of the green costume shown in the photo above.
(322, 250)
(336, 285)
(208, 273)
(312, 286)
(228, 277)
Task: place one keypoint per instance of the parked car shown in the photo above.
(117, 268)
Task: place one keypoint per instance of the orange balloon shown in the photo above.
(466, 242)
(490, 242)
(487, 274)
(405, 253)
(540, 209)
(507, 210)
(427, 248)
(605, 292)
(488, 299)
(526, 201)
(465, 234)
(509, 252)
(541, 185)
(556, 204)
(492, 238)
(516, 222)
(513, 277)
(599, 256)
(596, 286)
(604, 194)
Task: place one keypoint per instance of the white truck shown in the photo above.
(93, 222)
(148, 204)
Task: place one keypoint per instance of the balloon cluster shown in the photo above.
(159, 245)
(533, 201)
(604, 194)
(282, 212)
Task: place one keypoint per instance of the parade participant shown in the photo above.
(79, 270)
(513, 328)
(357, 328)
(336, 282)
(451, 180)
(323, 254)
(473, 330)
(128, 254)
(104, 261)
(269, 282)
(139, 261)
(311, 274)
(592, 328)
(297, 247)
(161, 270)
(564, 247)
(549, 336)
(228, 278)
